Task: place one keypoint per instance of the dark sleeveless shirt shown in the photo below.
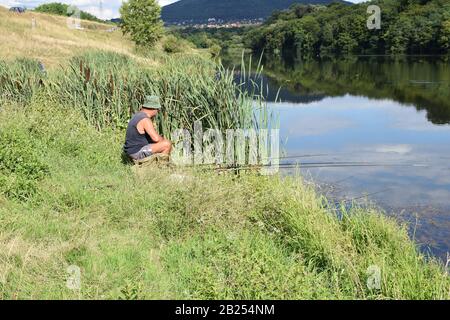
(134, 141)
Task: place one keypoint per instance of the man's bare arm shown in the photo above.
(150, 129)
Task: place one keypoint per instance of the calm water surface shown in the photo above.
(391, 114)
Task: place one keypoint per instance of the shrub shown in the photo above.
(62, 9)
(20, 165)
(215, 51)
(173, 45)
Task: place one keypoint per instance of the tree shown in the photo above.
(141, 19)
(53, 8)
(444, 39)
(408, 26)
(62, 9)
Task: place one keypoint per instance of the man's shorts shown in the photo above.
(145, 152)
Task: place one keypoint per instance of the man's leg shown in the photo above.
(164, 146)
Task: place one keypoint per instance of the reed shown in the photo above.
(20, 79)
(208, 237)
(109, 87)
(257, 237)
(106, 87)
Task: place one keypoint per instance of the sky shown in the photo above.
(105, 9)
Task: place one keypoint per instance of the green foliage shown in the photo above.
(444, 38)
(246, 265)
(20, 79)
(87, 16)
(17, 187)
(108, 88)
(21, 165)
(62, 9)
(227, 38)
(201, 40)
(141, 19)
(215, 51)
(19, 156)
(211, 236)
(53, 8)
(373, 77)
(308, 31)
(173, 44)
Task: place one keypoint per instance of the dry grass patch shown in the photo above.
(52, 41)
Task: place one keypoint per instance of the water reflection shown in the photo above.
(394, 113)
(413, 154)
(422, 82)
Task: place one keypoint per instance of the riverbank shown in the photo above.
(376, 110)
(77, 223)
(206, 236)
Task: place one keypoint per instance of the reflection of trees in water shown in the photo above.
(421, 81)
(272, 90)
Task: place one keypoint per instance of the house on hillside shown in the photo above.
(17, 9)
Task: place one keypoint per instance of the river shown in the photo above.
(378, 128)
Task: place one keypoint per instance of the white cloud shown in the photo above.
(315, 125)
(166, 2)
(394, 148)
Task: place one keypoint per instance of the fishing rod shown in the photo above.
(303, 156)
(342, 180)
(305, 165)
(342, 154)
(339, 201)
(351, 163)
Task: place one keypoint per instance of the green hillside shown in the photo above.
(407, 26)
(202, 10)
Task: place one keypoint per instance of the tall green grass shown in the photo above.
(185, 234)
(195, 234)
(108, 88)
(20, 79)
(21, 164)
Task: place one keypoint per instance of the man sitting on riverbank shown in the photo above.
(142, 140)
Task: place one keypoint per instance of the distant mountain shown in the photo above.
(227, 10)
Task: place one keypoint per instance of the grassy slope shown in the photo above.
(52, 42)
(150, 235)
(153, 236)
